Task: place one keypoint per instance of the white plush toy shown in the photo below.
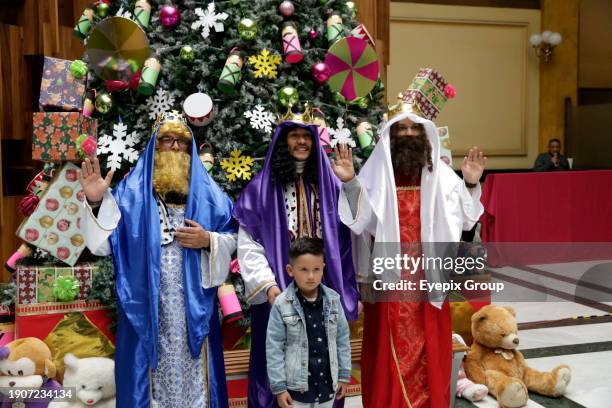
(93, 380)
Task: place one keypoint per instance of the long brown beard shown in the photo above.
(171, 173)
(410, 154)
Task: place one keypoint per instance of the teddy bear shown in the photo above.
(494, 360)
(26, 363)
(92, 378)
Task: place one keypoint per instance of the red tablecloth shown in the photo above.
(553, 207)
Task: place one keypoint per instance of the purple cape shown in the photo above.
(260, 210)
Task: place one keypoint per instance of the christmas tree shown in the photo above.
(277, 48)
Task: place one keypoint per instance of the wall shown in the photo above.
(595, 45)
(558, 78)
(486, 54)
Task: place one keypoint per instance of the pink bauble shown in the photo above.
(320, 72)
(169, 16)
(312, 34)
(286, 8)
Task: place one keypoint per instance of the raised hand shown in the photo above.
(94, 185)
(342, 163)
(473, 165)
(194, 236)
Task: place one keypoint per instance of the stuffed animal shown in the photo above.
(93, 378)
(26, 363)
(494, 360)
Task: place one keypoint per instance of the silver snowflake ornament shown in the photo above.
(209, 19)
(159, 103)
(260, 118)
(119, 147)
(341, 134)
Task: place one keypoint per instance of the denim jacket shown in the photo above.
(287, 342)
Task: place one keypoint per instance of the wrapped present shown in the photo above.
(59, 89)
(427, 92)
(63, 136)
(35, 283)
(55, 224)
(445, 145)
(79, 327)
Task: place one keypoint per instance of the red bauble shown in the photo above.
(169, 16)
(320, 73)
(286, 8)
(312, 34)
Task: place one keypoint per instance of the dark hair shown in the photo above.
(304, 246)
(554, 140)
(283, 164)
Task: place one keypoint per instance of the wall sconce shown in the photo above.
(544, 44)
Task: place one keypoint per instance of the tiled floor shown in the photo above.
(578, 346)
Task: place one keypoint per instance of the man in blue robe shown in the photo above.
(169, 229)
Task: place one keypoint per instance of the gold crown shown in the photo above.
(402, 106)
(301, 117)
(171, 117)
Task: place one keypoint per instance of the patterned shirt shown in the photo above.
(320, 385)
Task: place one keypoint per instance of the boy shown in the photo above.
(307, 345)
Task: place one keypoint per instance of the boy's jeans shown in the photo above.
(328, 404)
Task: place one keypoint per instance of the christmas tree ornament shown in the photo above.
(288, 96)
(169, 16)
(117, 47)
(352, 7)
(206, 156)
(260, 118)
(362, 102)
(354, 67)
(160, 103)
(83, 26)
(292, 48)
(247, 29)
(208, 20)
(104, 102)
(232, 72)
(86, 145)
(78, 69)
(313, 34)
(365, 135)
(118, 147)
(341, 134)
(230, 305)
(319, 121)
(187, 54)
(88, 103)
(237, 166)
(199, 109)
(265, 64)
(335, 29)
(148, 78)
(286, 8)
(102, 9)
(320, 73)
(362, 32)
(142, 13)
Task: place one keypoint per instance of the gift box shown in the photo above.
(35, 283)
(426, 92)
(55, 224)
(59, 89)
(79, 327)
(58, 136)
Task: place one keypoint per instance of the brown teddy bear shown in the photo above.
(494, 361)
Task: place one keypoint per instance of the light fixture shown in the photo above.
(545, 43)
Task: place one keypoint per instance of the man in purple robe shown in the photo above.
(295, 195)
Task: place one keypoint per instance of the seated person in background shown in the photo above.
(553, 160)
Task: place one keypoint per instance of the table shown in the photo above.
(545, 209)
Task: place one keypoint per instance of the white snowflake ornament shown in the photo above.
(260, 118)
(123, 13)
(209, 19)
(119, 146)
(341, 134)
(160, 103)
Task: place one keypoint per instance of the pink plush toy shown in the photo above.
(465, 387)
